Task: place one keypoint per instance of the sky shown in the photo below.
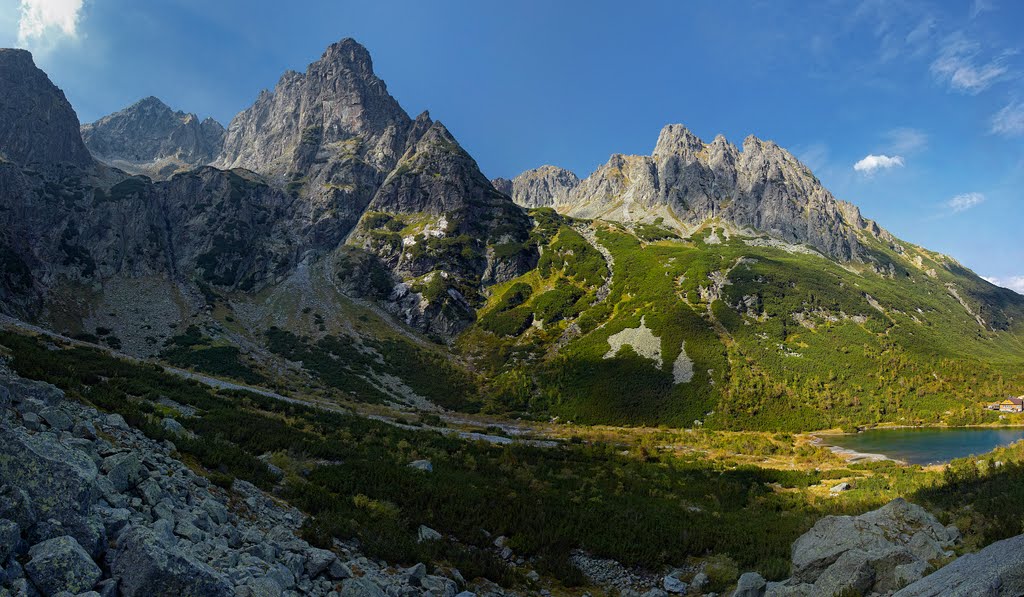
(911, 109)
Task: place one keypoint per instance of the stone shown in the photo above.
(877, 533)
(426, 533)
(264, 587)
(173, 426)
(996, 570)
(60, 482)
(750, 584)
(700, 582)
(338, 570)
(361, 587)
(60, 564)
(422, 465)
(852, 573)
(146, 567)
(10, 538)
(673, 584)
(416, 573)
(841, 487)
(15, 505)
(57, 419)
(318, 561)
(123, 470)
(32, 421)
(116, 421)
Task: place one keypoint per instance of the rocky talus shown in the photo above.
(90, 506)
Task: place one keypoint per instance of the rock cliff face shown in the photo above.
(150, 138)
(456, 229)
(39, 128)
(307, 160)
(687, 182)
(330, 135)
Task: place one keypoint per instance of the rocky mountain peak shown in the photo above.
(677, 140)
(546, 186)
(38, 126)
(347, 54)
(337, 108)
(150, 138)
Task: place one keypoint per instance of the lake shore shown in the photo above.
(851, 456)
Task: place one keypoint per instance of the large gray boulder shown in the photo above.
(61, 564)
(750, 584)
(996, 571)
(147, 568)
(361, 587)
(878, 551)
(60, 482)
(124, 470)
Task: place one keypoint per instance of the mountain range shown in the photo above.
(327, 240)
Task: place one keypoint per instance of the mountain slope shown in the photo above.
(150, 138)
(712, 287)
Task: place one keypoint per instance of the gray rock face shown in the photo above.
(150, 138)
(547, 186)
(331, 134)
(875, 553)
(995, 571)
(687, 181)
(61, 564)
(38, 127)
(438, 182)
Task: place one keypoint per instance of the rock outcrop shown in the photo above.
(876, 553)
(150, 138)
(995, 571)
(89, 503)
(688, 182)
(38, 127)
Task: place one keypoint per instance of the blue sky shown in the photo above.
(912, 110)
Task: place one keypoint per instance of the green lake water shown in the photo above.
(926, 446)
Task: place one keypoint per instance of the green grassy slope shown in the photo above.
(780, 338)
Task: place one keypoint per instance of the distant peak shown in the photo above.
(676, 139)
(348, 53)
(150, 103)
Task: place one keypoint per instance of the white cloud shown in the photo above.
(1010, 120)
(41, 20)
(1014, 283)
(960, 66)
(907, 140)
(871, 163)
(981, 6)
(964, 202)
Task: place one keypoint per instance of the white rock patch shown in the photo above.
(642, 339)
(682, 369)
(647, 345)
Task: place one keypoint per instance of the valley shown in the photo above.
(541, 385)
